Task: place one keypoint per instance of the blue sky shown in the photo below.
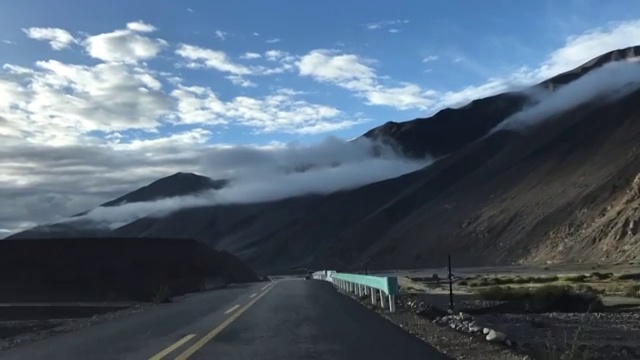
(98, 98)
(438, 47)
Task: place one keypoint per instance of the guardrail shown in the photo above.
(384, 286)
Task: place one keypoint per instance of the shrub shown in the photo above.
(463, 282)
(601, 276)
(520, 280)
(544, 298)
(478, 283)
(575, 278)
(543, 279)
(632, 290)
(162, 294)
(630, 276)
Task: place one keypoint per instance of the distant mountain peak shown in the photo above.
(178, 184)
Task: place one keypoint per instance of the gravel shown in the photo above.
(520, 336)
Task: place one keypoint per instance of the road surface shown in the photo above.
(287, 319)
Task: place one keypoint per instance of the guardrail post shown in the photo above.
(392, 303)
(373, 296)
(383, 300)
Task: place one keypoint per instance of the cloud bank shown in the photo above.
(607, 83)
(266, 174)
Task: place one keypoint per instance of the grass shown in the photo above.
(572, 350)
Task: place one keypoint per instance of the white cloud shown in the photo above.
(385, 24)
(250, 55)
(56, 102)
(394, 31)
(140, 26)
(605, 83)
(269, 173)
(126, 45)
(221, 35)
(274, 54)
(216, 59)
(201, 57)
(580, 49)
(430, 58)
(256, 34)
(58, 38)
(241, 81)
(190, 10)
(186, 138)
(272, 41)
(352, 73)
(8, 42)
(278, 112)
(199, 105)
(576, 51)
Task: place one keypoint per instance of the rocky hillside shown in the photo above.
(565, 190)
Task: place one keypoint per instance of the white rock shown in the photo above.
(496, 336)
(486, 331)
(474, 328)
(452, 325)
(464, 316)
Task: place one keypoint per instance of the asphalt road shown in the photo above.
(288, 319)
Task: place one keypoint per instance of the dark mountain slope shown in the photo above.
(564, 190)
(111, 269)
(452, 129)
(178, 184)
(526, 202)
(449, 129)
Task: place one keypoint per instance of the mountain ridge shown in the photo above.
(490, 198)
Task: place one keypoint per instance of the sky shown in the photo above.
(98, 98)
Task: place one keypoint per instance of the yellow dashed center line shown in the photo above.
(202, 342)
(231, 309)
(175, 345)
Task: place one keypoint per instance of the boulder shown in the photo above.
(496, 336)
(486, 331)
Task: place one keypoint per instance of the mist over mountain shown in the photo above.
(502, 180)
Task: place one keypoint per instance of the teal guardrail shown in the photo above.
(384, 283)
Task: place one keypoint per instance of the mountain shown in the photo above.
(178, 184)
(77, 269)
(564, 190)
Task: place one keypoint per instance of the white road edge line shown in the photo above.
(253, 295)
(266, 286)
(231, 309)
